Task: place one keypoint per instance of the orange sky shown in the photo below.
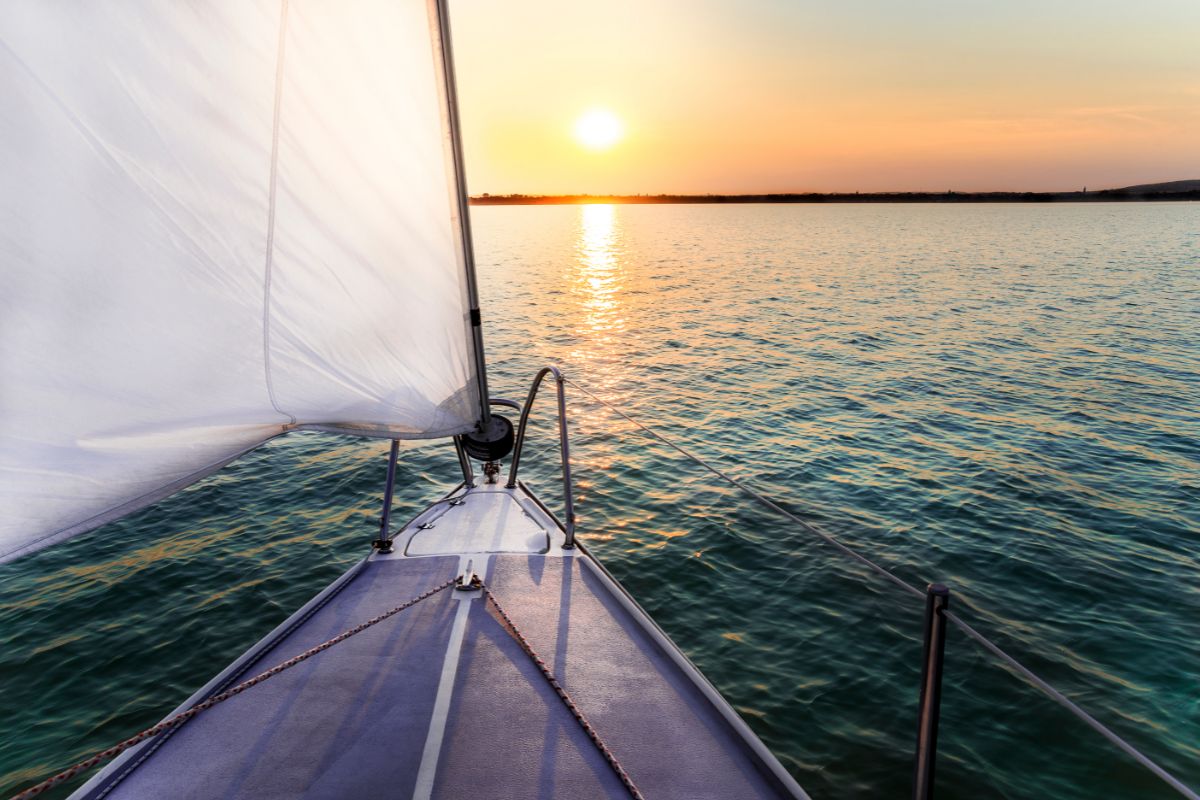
(733, 96)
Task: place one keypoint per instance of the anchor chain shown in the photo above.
(576, 712)
(184, 716)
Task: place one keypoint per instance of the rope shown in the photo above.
(184, 716)
(989, 645)
(608, 754)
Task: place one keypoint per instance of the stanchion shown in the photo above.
(384, 543)
(937, 599)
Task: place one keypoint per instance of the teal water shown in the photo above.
(1001, 398)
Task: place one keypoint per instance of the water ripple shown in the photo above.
(1002, 398)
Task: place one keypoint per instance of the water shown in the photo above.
(1001, 398)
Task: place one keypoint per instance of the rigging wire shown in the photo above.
(1066, 703)
(1009, 660)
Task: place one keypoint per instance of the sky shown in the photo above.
(750, 96)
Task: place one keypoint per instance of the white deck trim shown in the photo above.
(427, 772)
(434, 513)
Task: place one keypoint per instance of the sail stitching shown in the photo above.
(270, 255)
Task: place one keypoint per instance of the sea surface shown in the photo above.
(1002, 398)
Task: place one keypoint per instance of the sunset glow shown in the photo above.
(771, 96)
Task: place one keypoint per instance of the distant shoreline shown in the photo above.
(1103, 196)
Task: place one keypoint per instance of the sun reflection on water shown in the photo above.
(597, 283)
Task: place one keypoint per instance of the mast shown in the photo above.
(460, 187)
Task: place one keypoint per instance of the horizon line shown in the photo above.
(1170, 190)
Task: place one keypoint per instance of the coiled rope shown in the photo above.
(1009, 660)
(184, 716)
(608, 754)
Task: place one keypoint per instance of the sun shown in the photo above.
(598, 129)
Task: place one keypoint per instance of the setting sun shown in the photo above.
(598, 129)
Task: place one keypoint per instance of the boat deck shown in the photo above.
(440, 701)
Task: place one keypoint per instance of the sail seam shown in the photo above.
(270, 255)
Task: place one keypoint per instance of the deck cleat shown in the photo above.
(468, 580)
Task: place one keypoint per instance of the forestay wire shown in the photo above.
(1007, 659)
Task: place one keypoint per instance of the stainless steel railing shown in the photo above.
(563, 444)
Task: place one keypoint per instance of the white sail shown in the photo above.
(219, 221)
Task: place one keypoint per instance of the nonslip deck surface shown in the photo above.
(663, 731)
(356, 720)
(349, 722)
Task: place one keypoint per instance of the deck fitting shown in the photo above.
(468, 580)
